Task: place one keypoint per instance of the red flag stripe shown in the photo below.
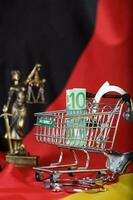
(107, 57)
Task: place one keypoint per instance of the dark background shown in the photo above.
(51, 32)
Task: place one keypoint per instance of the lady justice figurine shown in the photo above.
(20, 94)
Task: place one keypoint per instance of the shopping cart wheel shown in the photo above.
(100, 174)
(38, 176)
(71, 173)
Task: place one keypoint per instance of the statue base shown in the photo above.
(22, 160)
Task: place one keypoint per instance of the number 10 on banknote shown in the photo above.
(76, 99)
(76, 127)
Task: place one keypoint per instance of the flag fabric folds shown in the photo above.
(80, 43)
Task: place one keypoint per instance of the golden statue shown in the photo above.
(16, 108)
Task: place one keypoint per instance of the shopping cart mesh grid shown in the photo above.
(95, 129)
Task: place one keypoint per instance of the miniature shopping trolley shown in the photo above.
(93, 130)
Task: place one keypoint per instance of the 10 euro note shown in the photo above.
(76, 122)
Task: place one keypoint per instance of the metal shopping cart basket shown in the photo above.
(92, 131)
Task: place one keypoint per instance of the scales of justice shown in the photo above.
(14, 113)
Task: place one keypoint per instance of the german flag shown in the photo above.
(80, 44)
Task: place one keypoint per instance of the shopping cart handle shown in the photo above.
(88, 95)
(125, 97)
(128, 115)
